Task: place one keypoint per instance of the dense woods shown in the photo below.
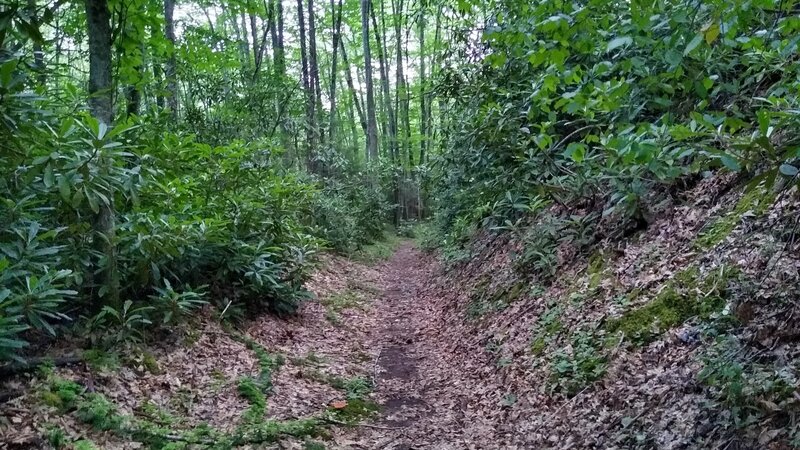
(198, 152)
(165, 163)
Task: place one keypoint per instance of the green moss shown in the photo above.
(150, 363)
(313, 445)
(596, 268)
(55, 436)
(100, 360)
(756, 202)
(84, 445)
(340, 301)
(96, 410)
(686, 295)
(355, 411)
(62, 394)
(483, 301)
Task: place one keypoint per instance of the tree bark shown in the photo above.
(391, 123)
(372, 126)
(170, 66)
(314, 67)
(307, 83)
(423, 125)
(351, 86)
(98, 20)
(337, 25)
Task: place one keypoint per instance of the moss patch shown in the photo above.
(687, 295)
(355, 411)
(484, 301)
(756, 202)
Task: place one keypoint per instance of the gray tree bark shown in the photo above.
(372, 125)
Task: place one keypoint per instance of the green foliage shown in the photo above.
(599, 107)
(62, 394)
(484, 300)
(751, 390)
(379, 250)
(575, 367)
(56, 436)
(688, 294)
(547, 327)
(96, 410)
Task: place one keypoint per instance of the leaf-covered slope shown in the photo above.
(680, 336)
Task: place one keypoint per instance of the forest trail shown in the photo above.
(403, 366)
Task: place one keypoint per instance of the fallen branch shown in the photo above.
(32, 363)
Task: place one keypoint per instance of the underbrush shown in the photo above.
(121, 231)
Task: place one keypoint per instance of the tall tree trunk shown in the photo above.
(391, 124)
(314, 67)
(280, 47)
(246, 38)
(98, 20)
(307, 84)
(277, 46)
(337, 26)
(170, 66)
(351, 86)
(423, 125)
(372, 126)
(158, 80)
(402, 90)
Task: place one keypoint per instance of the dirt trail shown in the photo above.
(412, 370)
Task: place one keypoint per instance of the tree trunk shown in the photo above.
(307, 84)
(158, 80)
(277, 46)
(314, 67)
(372, 126)
(98, 20)
(170, 67)
(423, 125)
(337, 25)
(402, 91)
(391, 124)
(351, 86)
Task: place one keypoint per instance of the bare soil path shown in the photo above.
(415, 381)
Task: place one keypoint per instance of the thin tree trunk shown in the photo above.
(390, 125)
(350, 85)
(372, 126)
(158, 80)
(337, 25)
(280, 47)
(170, 66)
(423, 125)
(314, 67)
(307, 84)
(402, 90)
(98, 20)
(277, 47)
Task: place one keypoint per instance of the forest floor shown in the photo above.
(401, 349)
(365, 355)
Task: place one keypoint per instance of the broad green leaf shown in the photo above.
(693, 44)
(619, 42)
